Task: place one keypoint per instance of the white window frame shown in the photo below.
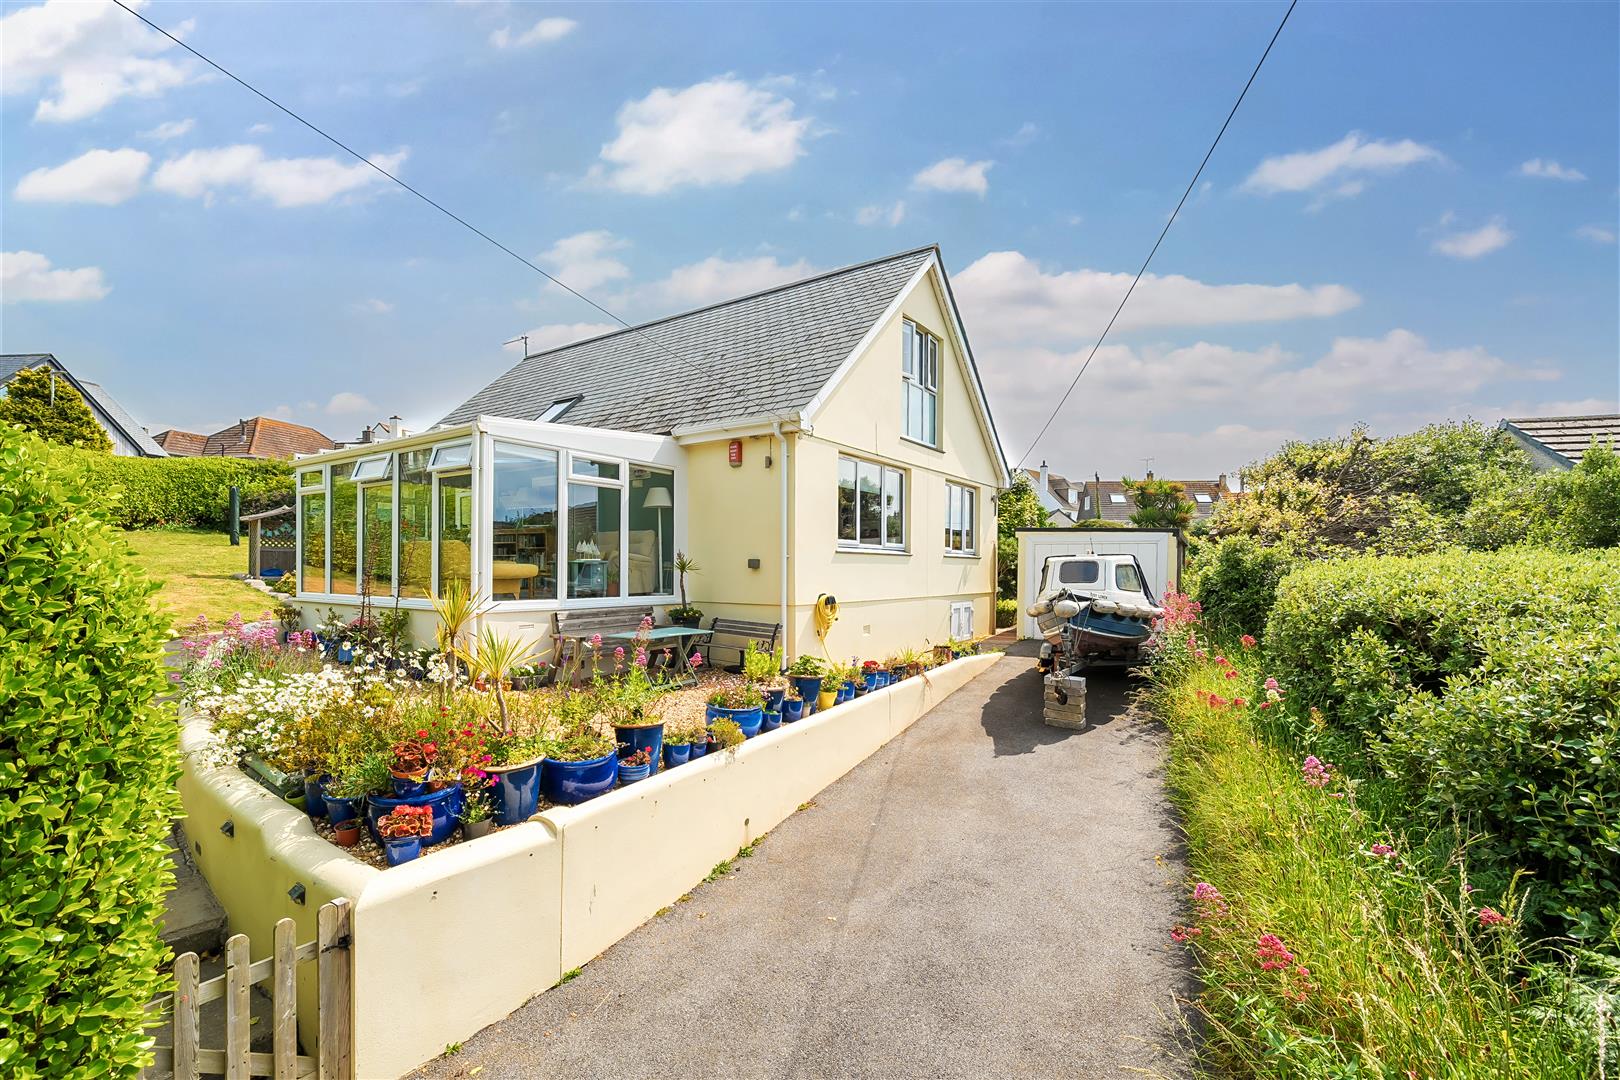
(1116, 499)
(1202, 498)
(919, 369)
(558, 409)
(371, 470)
(885, 473)
(443, 459)
(961, 530)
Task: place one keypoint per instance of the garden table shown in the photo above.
(667, 637)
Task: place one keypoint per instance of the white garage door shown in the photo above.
(1155, 550)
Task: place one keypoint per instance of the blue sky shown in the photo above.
(1413, 216)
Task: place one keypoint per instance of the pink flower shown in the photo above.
(618, 653)
(1317, 773)
(695, 660)
(1492, 917)
(1205, 891)
(1271, 683)
(646, 622)
(1181, 934)
(641, 657)
(596, 641)
(1208, 901)
(1272, 953)
(1202, 655)
(1231, 673)
(1382, 850)
(1239, 702)
(1248, 641)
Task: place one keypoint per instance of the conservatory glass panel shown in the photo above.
(524, 566)
(601, 470)
(649, 564)
(377, 537)
(345, 544)
(415, 524)
(593, 540)
(312, 557)
(456, 456)
(455, 529)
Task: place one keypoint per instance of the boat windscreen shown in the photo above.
(1080, 572)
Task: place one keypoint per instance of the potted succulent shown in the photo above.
(637, 765)
(475, 816)
(726, 735)
(402, 830)
(512, 758)
(684, 614)
(742, 705)
(805, 675)
(347, 833)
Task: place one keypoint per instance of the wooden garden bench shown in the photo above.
(735, 635)
(572, 629)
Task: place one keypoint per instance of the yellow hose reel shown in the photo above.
(826, 614)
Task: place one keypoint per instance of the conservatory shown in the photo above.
(528, 516)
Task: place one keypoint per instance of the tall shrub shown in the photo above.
(193, 492)
(1235, 581)
(88, 763)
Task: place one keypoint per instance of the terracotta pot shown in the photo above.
(348, 834)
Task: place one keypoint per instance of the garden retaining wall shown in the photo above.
(447, 945)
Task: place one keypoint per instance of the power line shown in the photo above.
(1162, 233)
(431, 202)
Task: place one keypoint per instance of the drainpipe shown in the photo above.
(782, 466)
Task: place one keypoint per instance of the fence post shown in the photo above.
(335, 957)
(284, 1001)
(236, 515)
(187, 1024)
(238, 1008)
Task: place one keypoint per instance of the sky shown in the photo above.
(1412, 218)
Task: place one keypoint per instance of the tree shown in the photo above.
(1160, 504)
(1019, 507)
(42, 401)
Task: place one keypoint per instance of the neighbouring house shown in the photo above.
(259, 437)
(828, 437)
(1557, 442)
(128, 437)
(1110, 500)
(1058, 498)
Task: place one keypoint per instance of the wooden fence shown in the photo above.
(332, 954)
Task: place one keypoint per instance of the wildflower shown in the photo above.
(618, 653)
(1265, 704)
(1239, 703)
(1182, 934)
(1317, 772)
(1201, 654)
(1248, 641)
(646, 622)
(1492, 917)
(1208, 901)
(1271, 683)
(1231, 673)
(641, 657)
(695, 660)
(596, 641)
(1222, 661)
(1383, 851)
(1272, 953)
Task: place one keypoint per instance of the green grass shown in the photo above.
(194, 568)
(1392, 973)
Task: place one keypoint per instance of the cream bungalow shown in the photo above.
(828, 437)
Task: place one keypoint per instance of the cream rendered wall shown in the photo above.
(733, 515)
(891, 601)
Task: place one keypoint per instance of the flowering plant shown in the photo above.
(637, 759)
(737, 697)
(406, 821)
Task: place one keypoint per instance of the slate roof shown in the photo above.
(1567, 436)
(767, 353)
(131, 428)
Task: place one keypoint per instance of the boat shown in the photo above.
(1094, 606)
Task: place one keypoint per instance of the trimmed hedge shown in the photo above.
(88, 765)
(178, 492)
(1486, 686)
(1235, 581)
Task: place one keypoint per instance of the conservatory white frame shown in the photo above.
(626, 449)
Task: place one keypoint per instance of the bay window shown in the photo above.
(919, 369)
(871, 505)
(961, 505)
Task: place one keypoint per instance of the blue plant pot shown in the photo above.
(649, 737)
(773, 699)
(895, 675)
(315, 796)
(402, 850)
(870, 678)
(792, 710)
(882, 680)
(515, 795)
(340, 810)
(409, 789)
(807, 708)
(696, 750)
(769, 721)
(344, 654)
(447, 804)
(808, 686)
(629, 774)
(747, 719)
(676, 754)
(568, 783)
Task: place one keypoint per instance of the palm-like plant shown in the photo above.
(493, 657)
(455, 609)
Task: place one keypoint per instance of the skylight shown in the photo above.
(557, 408)
(1116, 498)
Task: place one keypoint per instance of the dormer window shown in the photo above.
(556, 409)
(919, 371)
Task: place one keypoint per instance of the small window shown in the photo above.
(1126, 579)
(310, 479)
(959, 519)
(456, 456)
(1116, 498)
(372, 468)
(1078, 573)
(601, 470)
(556, 409)
(1202, 498)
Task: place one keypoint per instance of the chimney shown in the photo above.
(365, 434)
(1220, 482)
(396, 424)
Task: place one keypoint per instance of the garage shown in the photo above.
(1158, 550)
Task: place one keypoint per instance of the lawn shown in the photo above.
(195, 569)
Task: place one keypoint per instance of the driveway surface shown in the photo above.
(983, 897)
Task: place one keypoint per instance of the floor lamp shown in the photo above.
(658, 499)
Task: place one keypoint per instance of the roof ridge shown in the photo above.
(1548, 419)
(822, 276)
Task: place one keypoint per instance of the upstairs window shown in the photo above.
(919, 367)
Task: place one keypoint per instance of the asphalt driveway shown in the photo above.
(985, 896)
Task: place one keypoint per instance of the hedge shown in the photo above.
(1235, 581)
(88, 765)
(1486, 687)
(178, 492)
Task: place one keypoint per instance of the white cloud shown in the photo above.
(169, 129)
(1334, 167)
(1472, 244)
(955, 174)
(260, 129)
(882, 215)
(1598, 234)
(107, 177)
(556, 335)
(582, 260)
(545, 30)
(283, 181)
(80, 58)
(28, 275)
(717, 132)
(1548, 169)
(373, 306)
(1007, 297)
(347, 401)
(1027, 133)
(716, 278)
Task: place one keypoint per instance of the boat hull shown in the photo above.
(1094, 629)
